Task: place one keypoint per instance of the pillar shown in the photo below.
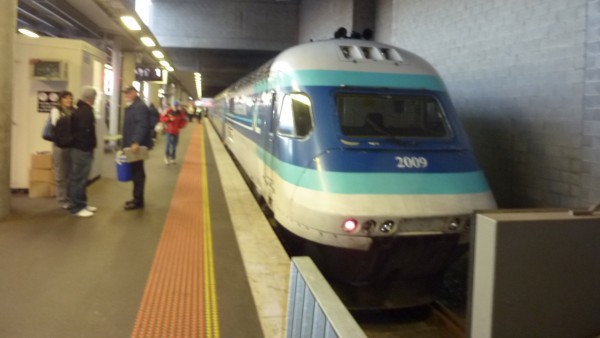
(127, 77)
(153, 94)
(8, 22)
(113, 121)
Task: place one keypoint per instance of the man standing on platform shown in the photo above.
(83, 131)
(136, 133)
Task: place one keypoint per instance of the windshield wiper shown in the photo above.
(380, 129)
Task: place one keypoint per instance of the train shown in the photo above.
(356, 150)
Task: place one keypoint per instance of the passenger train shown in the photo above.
(356, 149)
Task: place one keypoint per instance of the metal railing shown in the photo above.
(314, 310)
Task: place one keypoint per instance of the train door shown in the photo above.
(270, 130)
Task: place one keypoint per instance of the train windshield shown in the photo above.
(371, 115)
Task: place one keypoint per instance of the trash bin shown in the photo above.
(123, 169)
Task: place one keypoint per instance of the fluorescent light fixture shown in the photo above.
(147, 41)
(131, 23)
(170, 69)
(165, 64)
(198, 80)
(158, 54)
(28, 33)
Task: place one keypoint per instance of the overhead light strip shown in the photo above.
(28, 33)
(148, 41)
(131, 23)
(158, 54)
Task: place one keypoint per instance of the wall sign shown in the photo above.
(47, 100)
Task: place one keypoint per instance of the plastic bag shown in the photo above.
(159, 128)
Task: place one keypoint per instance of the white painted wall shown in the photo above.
(83, 62)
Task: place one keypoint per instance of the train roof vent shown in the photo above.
(390, 54)
(356, 53)
(350, 53)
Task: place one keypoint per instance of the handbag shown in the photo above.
(48, 131)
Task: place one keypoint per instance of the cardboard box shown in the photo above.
(41, 160)
(40, 189)
(41, 175)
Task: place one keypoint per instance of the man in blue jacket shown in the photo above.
(136, 133)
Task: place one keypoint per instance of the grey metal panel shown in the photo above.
(314, 310)
(319, 323)
(298, 305)
(329, 332)
(308, 313)
(291, 295)
(535, 274)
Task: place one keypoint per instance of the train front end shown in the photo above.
(386, 200)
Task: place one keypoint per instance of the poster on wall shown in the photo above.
(47, 100)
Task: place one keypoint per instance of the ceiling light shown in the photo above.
(147, 41)
(131, 23)
(165, 64)
(158, 54)
(170, 69)
(28, 33)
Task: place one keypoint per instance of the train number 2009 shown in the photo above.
(411, 162)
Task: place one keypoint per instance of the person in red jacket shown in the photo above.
(174, 119)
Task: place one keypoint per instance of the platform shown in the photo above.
(200, 260)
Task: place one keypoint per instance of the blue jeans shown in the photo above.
(62, 172)
(82, 164)
(171, 145)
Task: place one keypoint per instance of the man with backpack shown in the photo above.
(174, 119)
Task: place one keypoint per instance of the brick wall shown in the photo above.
(225, 24)
(516, 71)
(590, 180)
(320, 19)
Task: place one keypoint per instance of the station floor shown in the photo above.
(200, 260)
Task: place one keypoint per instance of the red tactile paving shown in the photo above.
(179, 294)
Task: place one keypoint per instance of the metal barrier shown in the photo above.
(314, 310)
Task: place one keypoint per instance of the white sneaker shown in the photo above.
(84, 213)
(172, 161)
(91, 208)
(167, 160)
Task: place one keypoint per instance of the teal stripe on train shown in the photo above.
(336, 78)
(378, 183)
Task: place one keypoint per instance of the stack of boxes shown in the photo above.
(41, 175)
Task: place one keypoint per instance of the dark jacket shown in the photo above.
(83, 127)
(136, 125)
(63, 135)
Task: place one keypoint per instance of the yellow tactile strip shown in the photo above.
(180, 297)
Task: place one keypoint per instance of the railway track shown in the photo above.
(433, 321)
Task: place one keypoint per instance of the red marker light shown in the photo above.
(350, 225)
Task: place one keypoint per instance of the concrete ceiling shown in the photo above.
(97, 21)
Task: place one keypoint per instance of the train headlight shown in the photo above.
(387, 226)
(350, 225)
(368, 225)
(454, 224)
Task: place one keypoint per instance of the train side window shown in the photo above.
(295, 118)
